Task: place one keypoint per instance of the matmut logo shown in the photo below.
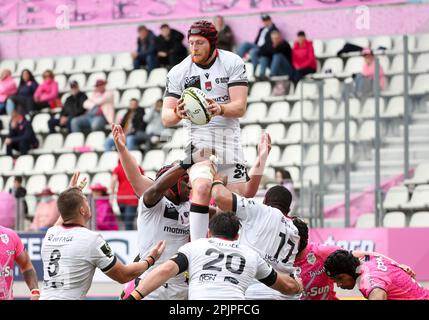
(358, 244)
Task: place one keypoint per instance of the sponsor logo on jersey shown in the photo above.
(232, 280)
(207, 277)
(314, 291)
(193, 81)
(311, 258)
(175, 230)
(222, 80)
(10, 252)
(105, 248)
(380, 264)
(317, 273)
(207, 75)
(4, 238)
(224, 98)
(208, 86)
(7, 272)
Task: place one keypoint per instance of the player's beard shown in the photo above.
(201, 58)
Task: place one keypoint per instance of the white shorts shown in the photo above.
(236, 173)
(259, 291)
(169, 291)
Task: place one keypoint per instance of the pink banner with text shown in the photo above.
(63, 14)
(405, 245)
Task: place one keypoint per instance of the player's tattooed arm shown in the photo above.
(29, 274)
(377, 294)
(138, 181)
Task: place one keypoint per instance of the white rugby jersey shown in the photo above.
(271, 234)
(163, 221)
(221, 269)
(70, 255)
(221, 133)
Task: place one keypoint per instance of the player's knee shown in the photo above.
(201, 188)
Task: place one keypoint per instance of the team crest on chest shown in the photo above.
(311, 258)
(208, 86)
(4, 238)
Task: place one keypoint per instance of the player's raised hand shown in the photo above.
(157, 250)
(179, 109)
(74, 179)
(118, 137)
(213, 107)
(264, 146)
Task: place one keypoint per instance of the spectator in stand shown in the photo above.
(46, 213)
(146, 49)
(277, 55)
(154, 126)
(364, 81)
(7, 88)
(283, 178)
(8, 210)
(100, 110)
(19, 192)
(46, 94)
(105, 218)
(263, 37)
(225, 37)
(24, 96)
(133, 125)
(171, 50)
(303, 58)
(21, 135)
(125, 195)
(73, 107)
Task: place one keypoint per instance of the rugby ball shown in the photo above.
(196, 106)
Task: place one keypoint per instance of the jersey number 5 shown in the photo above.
(211, 265)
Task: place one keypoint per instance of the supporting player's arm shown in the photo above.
(287, 285)
(160, 275)
(377, 294)
(223, 197)
(29, 274)
(125, 273)
(138, 181)
(257, 171)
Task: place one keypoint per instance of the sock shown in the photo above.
(199, 221)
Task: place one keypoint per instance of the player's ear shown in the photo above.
(209, 234)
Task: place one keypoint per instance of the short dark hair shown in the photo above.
(303, 233)
(141, 28)
(164, 25)
(278, 197)
(69, 202)
(301, 34)
(225, 224)
(341, 261)
(18, 179)
(285, 174)
(159, 100)
(134, 99)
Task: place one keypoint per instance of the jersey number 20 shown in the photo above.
(211, 265)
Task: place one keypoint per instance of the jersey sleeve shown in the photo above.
(155, 208)
(246, 208)
(173, 87)
(238, 74)
(372, 279)
(186, 250)
(101, 255)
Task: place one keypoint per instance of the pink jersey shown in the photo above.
(317, 284)
(10, 248)
(379, 272)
